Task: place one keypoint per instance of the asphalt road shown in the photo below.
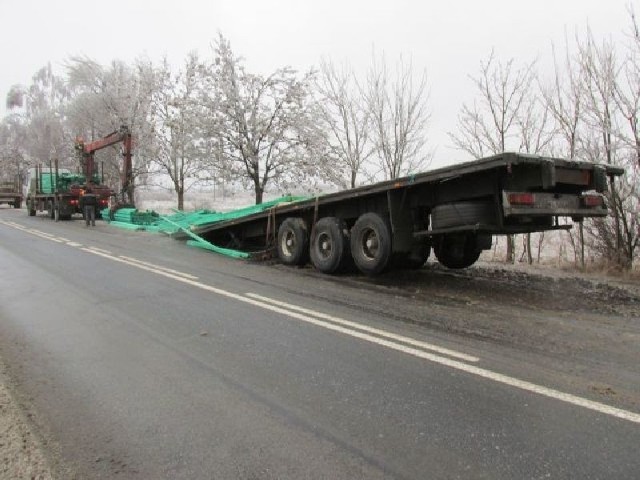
(139, 357)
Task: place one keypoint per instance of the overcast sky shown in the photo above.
(447, 38)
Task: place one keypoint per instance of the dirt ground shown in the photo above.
(588, 322)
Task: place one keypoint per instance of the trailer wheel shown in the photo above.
(371, 243)
(329, 247)
(462, 213)
(17, 203)
(293, 241)
(457, 251)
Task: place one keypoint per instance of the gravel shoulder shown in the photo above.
(22, 453)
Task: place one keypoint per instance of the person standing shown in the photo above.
(88, 204)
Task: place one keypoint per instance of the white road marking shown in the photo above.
(366, 328)
(74, 244)
(159, 267)
(448, 362)
(101, 250)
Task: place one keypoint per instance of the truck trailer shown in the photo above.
(453, 211)
(11, 192)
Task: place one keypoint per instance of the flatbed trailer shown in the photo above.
(453, 211)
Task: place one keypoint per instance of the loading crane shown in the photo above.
(88, 150)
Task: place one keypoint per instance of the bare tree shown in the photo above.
(487, 127)
(565, 99)
(345, 116)
(397, 105)
(534, 125)
(616, 238)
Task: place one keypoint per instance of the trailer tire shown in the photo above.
(293, 241)
(329, 246)
(462, 213)
(371, 243)
(457, 251)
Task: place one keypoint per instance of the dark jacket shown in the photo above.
(88, 199)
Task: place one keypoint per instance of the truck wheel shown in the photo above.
(293, 241)
(462, 213)
(17, 203)
(329, 246)
(457, 251)
(51, 211)
(31, 209)
(371, 243)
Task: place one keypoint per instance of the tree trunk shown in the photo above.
(529, 256)
(511, 249)
(581, 229)
(259, 192)
(180, 192)
(540, 240)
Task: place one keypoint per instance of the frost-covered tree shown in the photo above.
(13, 143)
(180, 146)
(107, 97)
(267, 125)
(44, 117)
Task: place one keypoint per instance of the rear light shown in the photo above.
(73, 202)
(521, 199)
(592, 200)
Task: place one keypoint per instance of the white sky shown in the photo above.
(447, 38)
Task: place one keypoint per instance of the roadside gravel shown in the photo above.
(21, 454)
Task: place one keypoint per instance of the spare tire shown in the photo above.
(463, 213)
(457, 250)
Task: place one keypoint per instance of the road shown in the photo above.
(138, 357)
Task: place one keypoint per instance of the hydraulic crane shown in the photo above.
(87, 152)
